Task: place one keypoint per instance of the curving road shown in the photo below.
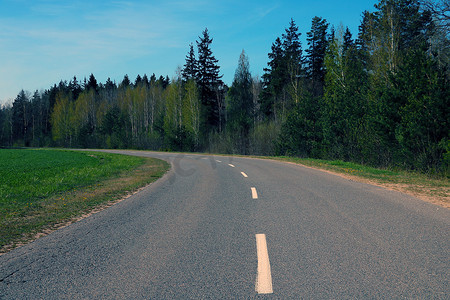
(235, 228)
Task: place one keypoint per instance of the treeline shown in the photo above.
(381, 98)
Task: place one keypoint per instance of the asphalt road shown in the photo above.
(208, 231)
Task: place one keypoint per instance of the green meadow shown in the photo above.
(42, 188)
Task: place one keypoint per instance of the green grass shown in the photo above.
(41, 188)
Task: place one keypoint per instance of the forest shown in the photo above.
(379, 97)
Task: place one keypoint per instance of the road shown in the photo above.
(236, 228)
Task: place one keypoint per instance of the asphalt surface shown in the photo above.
(192, 235)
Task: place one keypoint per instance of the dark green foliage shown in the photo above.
(145, 80)
(190, 69)
(179, 139)
(240, 105)
(300, 134)
(75, 88)
(164, 81)
(125, 82)
(92, 83)
(423, 127)
(114, 127)
(210, 86)
(6, 135)
(317, 40)
(272, 80)
(21, 116)
(138, 80)
(282, 78)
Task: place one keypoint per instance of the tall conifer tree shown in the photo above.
(240, 104)
(210, 85)
(190, 67)
(317, 41)
(281, 79)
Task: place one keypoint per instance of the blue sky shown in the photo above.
(45, 41)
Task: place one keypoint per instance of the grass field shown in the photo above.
(42, 188)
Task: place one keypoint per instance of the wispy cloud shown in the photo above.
(62, 38)
(263, 11)
(53, 8)
(48, 40)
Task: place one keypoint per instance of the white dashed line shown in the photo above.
(218, 160)
(254, 193)
(243, 174)
(264, 278)
(231, 165)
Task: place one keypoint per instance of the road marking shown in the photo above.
(254, 193)
(243, 174)
(218, 160)
(264, 278)
(231, 165)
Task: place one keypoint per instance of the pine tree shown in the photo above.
(282, 78)
(164, 81)
(109, 84)
(317, 41)
(293, 56)
(273, 80)
(190, 67)
(145, 80)
(75, 88)
(210, 86)
(138, 80)
(240, 105)
(366, 36)
(348, 41)
(21, 113)
(125, 82)
(92, 83)
(37, 119)
(5, 126)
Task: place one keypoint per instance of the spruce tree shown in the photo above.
(210, 85)
(145, 80)
(292, 60)
(317, 41)
(125, 82)
(190, 67)
(138, 80)
(75, 88)
(281, 81)
(92, 83)
(348, 41)
(21, 117)
(272, 79)
(240, 105)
